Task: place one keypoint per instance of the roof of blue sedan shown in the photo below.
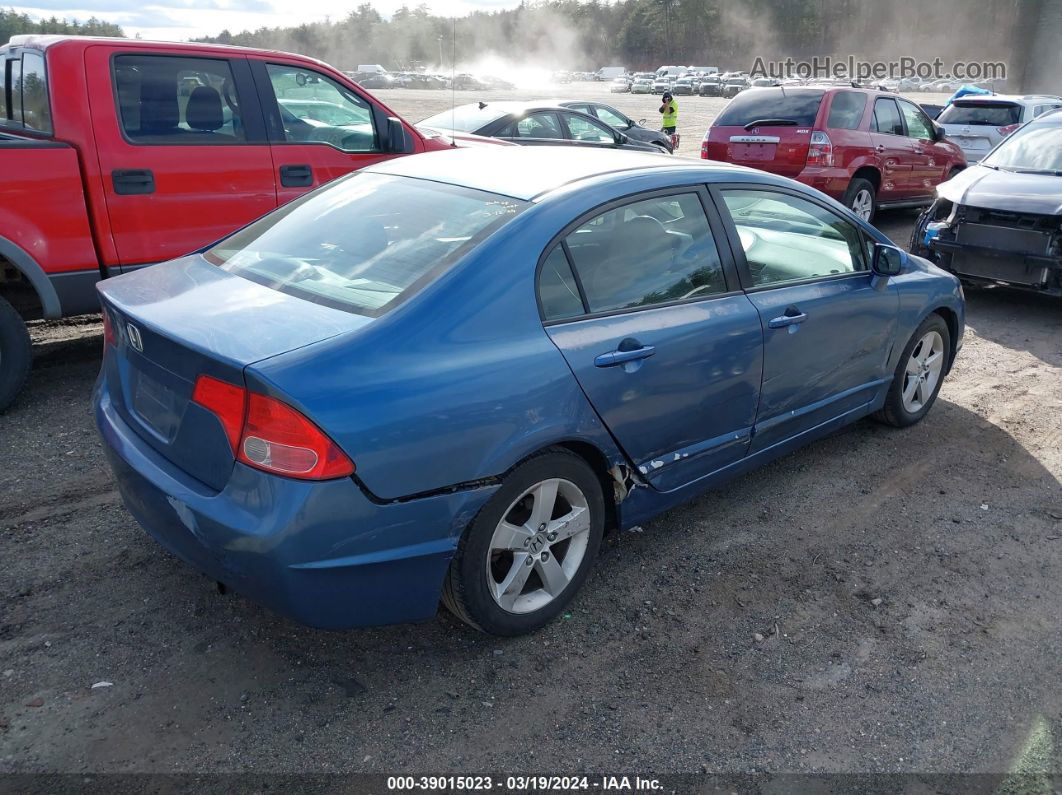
(526, 172)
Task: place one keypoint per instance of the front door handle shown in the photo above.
(133, 181)
(790, 318)
(880, 148)
(614, 358)
(300, 176)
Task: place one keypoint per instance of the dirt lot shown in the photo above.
(954, 525)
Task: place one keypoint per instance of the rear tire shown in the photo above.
(530, 548)
(862, 199)
(15, 353)
(919, 374)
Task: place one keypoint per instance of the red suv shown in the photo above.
(866, 148)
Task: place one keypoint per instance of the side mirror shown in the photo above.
(396, 142)
(888, 260)
(939, 132)
(621, 139)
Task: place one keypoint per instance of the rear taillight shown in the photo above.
(108, 330)
(704, 149)
(279, 439)
(820, 149)
(270, 435)
(1005, 131)
(227, 401)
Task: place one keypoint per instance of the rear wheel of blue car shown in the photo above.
(530, 548)
(919, 374)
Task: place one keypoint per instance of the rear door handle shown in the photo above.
(613, 358)
(133, 181)
(787, 320)
(296, 176)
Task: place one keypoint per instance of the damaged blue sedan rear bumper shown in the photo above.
(322, 553)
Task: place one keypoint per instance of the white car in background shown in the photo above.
(642, 86)
(619, 85)
(977, 123)
(660, 85)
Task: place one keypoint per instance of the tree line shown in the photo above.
(640, 34)
(13, 23)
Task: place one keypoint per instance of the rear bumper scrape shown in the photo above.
(321, 553)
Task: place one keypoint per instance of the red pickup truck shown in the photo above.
(119, 153)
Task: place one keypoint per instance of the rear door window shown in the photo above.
(989, 114)
(14, 85)
(175, 100)
(887, 117)
(315, 109)
(799, 107)
(846, 110)
(36, 113)
(647, 252)
(538, 125)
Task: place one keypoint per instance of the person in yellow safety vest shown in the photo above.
(669, 111)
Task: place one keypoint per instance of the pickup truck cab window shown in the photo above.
(172, 99)
(789, 239)
(314, 109)
(36, 113)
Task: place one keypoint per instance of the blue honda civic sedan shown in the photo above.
(443, 378)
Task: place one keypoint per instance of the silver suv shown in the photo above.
(978, 123)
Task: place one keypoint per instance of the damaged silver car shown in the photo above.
(1000, 221)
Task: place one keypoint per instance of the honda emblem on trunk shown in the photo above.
(134, 337)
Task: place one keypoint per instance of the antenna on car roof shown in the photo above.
(453, 90)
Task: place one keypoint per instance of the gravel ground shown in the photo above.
(906, 586)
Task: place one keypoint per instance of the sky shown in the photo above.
(175, 20)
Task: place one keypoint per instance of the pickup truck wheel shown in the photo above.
(861, 198)
(15, 354)
(919, 374)
(530, 547)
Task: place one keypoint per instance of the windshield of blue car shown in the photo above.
(364, 243)
(465, 118)
(800, 106)
(989, 114)
(1033, 149)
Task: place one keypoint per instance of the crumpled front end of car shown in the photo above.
(1000, 246)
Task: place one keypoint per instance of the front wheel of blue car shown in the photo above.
(919, 374)
(530, 548)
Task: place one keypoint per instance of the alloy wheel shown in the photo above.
(923, 371)
(863, 204)
(538, 546)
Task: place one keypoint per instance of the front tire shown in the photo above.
(861, 198)
(918, 375)
(15, 353)
(530, 548)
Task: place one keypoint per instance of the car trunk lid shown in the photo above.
(177, 321)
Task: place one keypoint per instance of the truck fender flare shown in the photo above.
(35, 275)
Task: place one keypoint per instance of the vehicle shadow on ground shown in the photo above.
(746, 616)
(1004, 316)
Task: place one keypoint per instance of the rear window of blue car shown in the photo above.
(364, 243)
